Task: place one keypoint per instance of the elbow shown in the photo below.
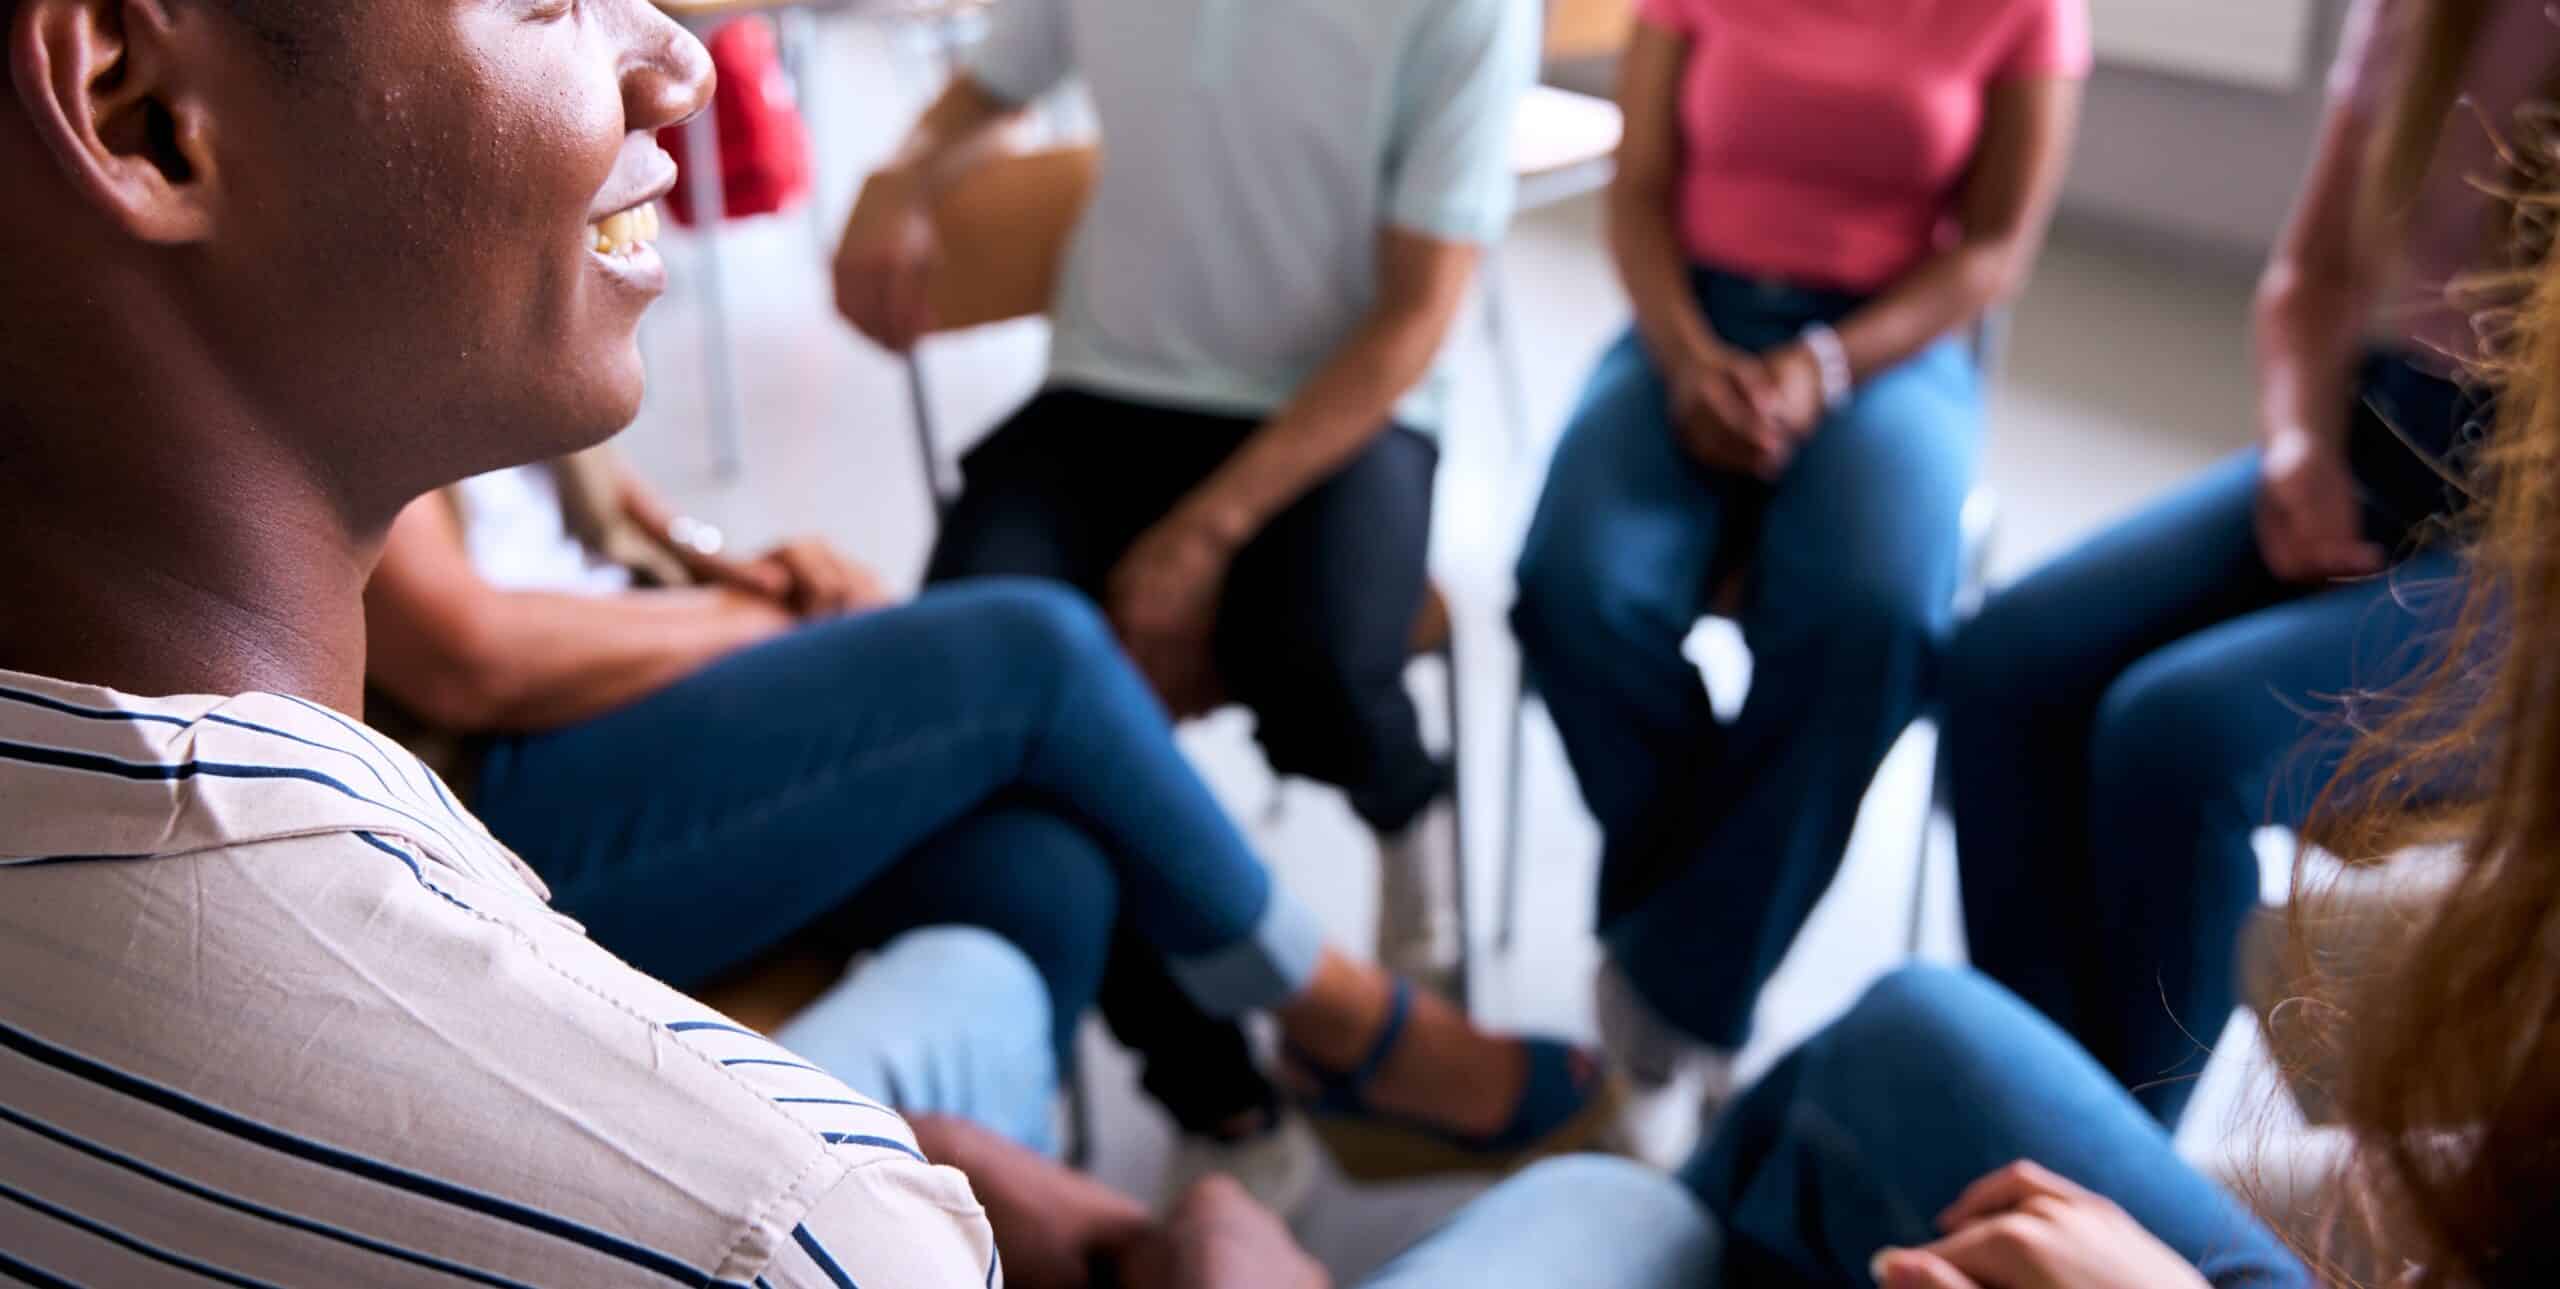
(458, 685)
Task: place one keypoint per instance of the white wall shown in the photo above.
(2199, 162)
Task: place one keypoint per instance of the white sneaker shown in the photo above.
(1418, 896)
(1677, 1085)
(1279, 1168)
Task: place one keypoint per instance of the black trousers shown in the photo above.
(1312, 638)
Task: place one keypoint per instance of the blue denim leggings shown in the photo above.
(984, 756)
(1935, 1079)
(1720, 839)
(2121, 722)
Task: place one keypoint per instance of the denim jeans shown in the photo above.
(2121, 722)
(1572, 1223)
(941, 1021)
(1935, 1079)
(1720, 839)
(984, 756)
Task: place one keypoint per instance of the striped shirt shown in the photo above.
(275, 1011)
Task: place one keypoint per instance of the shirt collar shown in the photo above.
(89, 773)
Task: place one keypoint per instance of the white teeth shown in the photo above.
(624, 232)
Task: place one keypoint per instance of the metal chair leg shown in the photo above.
(1462, 889)
(938, 493)
(1506, 353)
(1515, 797)
(1915, 937)
(720, 386)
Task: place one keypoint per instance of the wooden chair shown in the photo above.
(1003, 230)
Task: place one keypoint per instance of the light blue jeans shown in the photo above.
(949, 1021)
(952, 1021)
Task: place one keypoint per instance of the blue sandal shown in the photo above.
(1567, 1102)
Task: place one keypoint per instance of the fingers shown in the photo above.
(2007, 1250)
(764, 577)
(1916, 1269)
(2007, 1189)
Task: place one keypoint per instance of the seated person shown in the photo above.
(1881, 1152)
(273, 1007)
(706, 765)
(1816, 202)
(2121, 722)
(1234, 450)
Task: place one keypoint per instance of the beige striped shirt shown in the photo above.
(275, 1011)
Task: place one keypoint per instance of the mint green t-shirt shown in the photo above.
(1254, 150)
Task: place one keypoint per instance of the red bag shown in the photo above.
(764, 145)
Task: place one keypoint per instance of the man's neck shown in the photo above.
(174, 573)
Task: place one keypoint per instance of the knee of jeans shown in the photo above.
(2154, 736)
(1616, 1199)
(1007, 1004)
(1917, 1010)
(1041, 612)
(1579, 613)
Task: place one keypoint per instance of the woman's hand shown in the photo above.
(1718, 420)
(2310, 521)
(2026, 1227)
(1163, 600)
(1218, 1238)
(805, 575)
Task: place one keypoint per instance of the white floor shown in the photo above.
(2124, 374)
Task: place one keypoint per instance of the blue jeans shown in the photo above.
(941, 1021)
(1579, 1222)
(982, 756)
(1720, 839)
(2122, 721)
(1935, 1079)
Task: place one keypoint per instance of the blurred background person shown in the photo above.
(1815, 203)
(2120, 722)
(1233, 450)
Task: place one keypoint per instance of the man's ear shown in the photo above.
(117, 91)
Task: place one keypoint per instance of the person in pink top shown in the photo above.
(2122, 722)
(1817, 203)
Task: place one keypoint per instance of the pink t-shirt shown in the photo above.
(2453, 226)
(1826, 141)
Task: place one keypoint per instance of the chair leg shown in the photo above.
(1463, 889)
(1915, 938)
(720, 388)
(1506, 353)
(1516, 805)
(937, 490)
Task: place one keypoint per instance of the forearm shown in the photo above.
(539, 661)
(1644, 243)
(2308, 329)
(1946, 293)
(1343, 408)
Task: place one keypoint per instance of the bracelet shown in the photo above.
(1832, 358)
(696, 536)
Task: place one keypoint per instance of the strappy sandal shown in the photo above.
(1568, 1101)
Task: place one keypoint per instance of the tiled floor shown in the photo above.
(2124, 373)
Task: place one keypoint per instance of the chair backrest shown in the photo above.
(1588, 28)
(1004, 228)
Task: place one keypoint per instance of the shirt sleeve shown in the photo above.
(1449, 163)
(2055, 43)
(1026, 52)
(890, 1223)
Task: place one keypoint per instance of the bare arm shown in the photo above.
(2318, 290)
(1349, 401)
(475, 659)
(2018, 169)
(1643, 203)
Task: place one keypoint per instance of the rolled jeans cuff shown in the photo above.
(1272, 964)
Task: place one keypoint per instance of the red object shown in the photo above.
(764, 145)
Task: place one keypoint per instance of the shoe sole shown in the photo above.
(1372, 1153)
